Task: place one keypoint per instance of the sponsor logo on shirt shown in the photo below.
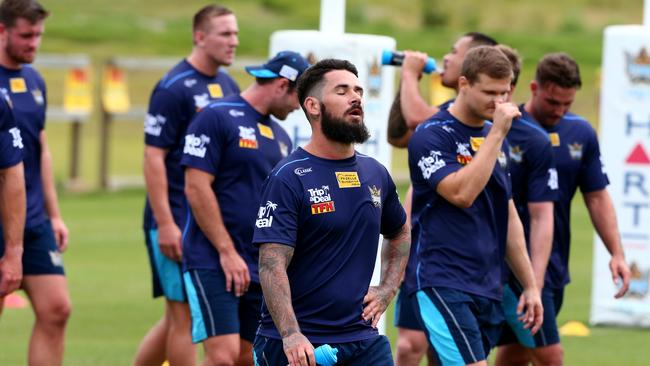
(201, 101)
(431, 163)
(265, 131)
(38, 96)
(55, 258)
(348, 179)
(300, 171)
(196, 146)
(476, 142)
(575, 151)
(215, 91)
(247, 137)
(153, 124)
(321, 200)
(17, 85)
(264, 215)
(503, 160)
(516, 154)
(17, 139)
(463, 156)
(448, 129)
(189, 82)
(552, 179)
(236, 113)
(375, 195)
(555, 138)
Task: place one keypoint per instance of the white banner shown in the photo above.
(625, 145)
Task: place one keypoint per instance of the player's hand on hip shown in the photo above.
(504, 113)
(620, 272)
(375, 303)
(60, 233)
(170, 241)
(298, 349)
(11, 272)
(530, 310)
(236, 271)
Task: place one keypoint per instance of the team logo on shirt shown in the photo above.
(17, 85)
(555, 138)
(321, 200)
(38, 96)
(196, 146)
(284, 149)
(215, 91)
(17, 139)
(236, 113)
(503, 160)
(153, 124)
(375, 195)
(638, 67)
(348, 179)
(575, 151)
(301, 172)
(516, 154)
(189, 82)
(55, 258)
(476, 142)
(430, 164)
(247, 137)
(264, 215)
(448, 129)
(463, 156)
(201, 101)
(552, 179)
(265, 131)
(5, 94)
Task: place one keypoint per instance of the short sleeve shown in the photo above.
(393, 215)
(203, 143)
(164, 120)
(278, 215)
(592, 175)
(433, 156)
(542, 178)
(11, 142)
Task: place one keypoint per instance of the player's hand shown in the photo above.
(530, 310)
(11, 271)
(60, 233)
(504, 113)
(413, 63)
(170, 241)
(375, 303)
(298, 349)
(620, 271)
(236, 272)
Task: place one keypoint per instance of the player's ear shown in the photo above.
(198, 36)
(534, 86)
(312, 106)
(462, 82)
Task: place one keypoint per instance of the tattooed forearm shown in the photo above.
(394, 259)
(398, 132)
(273, 263)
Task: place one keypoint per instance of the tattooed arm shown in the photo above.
(394, 258)
(274, 260)
(398, 133)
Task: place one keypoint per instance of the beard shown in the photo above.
(338, 130)
(16, 56)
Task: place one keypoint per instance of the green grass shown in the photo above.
(109, 281)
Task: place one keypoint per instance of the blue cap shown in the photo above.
(287, 64)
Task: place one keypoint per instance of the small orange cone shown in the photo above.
(15, 301)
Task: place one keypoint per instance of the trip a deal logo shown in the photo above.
(321, 200)
(638, 66)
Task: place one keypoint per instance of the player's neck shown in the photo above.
(9, 63)
(464, 115)
(322, 147)
(202, 63)
(258, 98)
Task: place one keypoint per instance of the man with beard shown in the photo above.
(230, 148)
(464, 220)
(45, 234)
(318, 227)
(187, 88)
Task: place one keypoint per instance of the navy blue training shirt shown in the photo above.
(331, 212)
(458, 248)
(577, 156)
(239, 147)
(11, 141)
(26, 90)
(177, 97)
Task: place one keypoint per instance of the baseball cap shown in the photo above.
(286, 64)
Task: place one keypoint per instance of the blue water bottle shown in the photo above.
(396, 58)
(325, 355)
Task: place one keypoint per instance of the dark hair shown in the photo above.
(560, 69)
(203, 16)
(515, 61)
(487, 60)
(12, 10)
(264, 81)
(480, 39)
(313, 77)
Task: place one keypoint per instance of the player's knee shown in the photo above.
(221, 356)
(549, 356)
(410, 346)
(57, 313)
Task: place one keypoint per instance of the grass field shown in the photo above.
(109, 282)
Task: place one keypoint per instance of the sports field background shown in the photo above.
(106, 262)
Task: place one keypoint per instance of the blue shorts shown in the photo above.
(513, 332)
(404, 312)
(462, 328)
(166, 274)
(373, 351)
(41, 256)
(217, 312)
